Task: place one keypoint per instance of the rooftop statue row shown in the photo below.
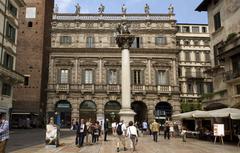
(101, 9)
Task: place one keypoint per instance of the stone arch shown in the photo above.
(163, 111)
(111, 111)
(63, 109)
(87, 110)
(140, 108)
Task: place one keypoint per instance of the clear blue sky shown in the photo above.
(184, 9)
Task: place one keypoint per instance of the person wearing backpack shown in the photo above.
(121, 134)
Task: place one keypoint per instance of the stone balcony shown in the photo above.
(112, 88)
(231, 76)
(11, 75)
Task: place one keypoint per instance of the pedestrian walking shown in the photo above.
(171, 129)
(166, 131)
(121, 133)
(155, 127)
(132, 134)
(96, 132)
(144, 127)
(105, 129)
(4, 132)
(89, 130)
(81, 132)
(114, 124)
(184, 133)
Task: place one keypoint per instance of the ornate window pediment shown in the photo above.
(63, 62)
(88, 63)
(162, 63)
(112, 63)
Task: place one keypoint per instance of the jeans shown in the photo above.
(155, 136)
(105, 135)
(81, 139)
(166, 134)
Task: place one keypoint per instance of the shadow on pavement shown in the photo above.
(24, 138)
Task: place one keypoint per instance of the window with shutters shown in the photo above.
(12, 9)
(207, 57)
(200, 88)
(6, 89)
(137, 43)
(217, 21)
(162, 77)
(90, 42)
(161, 40)
(10, 32)
(197, 57)
(8, 61)
(112, 76)
(209, 87)
(187, 56)
(189, 87)
(88, 76)
(65, 39)
(137, 77)
(64, 76)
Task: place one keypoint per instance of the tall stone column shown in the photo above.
(124, 40)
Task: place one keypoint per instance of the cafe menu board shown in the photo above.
(218, 130)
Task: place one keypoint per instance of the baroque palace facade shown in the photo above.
(85, 66)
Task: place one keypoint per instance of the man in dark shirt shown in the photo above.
(105, 129)
(81, 132)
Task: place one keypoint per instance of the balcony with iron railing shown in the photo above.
(194, 75)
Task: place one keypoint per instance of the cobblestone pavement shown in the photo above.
(145, 145)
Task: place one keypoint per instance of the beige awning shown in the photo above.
(188, 115)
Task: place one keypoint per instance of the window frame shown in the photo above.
(64, 79)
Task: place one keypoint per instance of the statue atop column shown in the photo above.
(171, 9)
(147, 9)
(55, 10)
(123, 28)
(124, 9)
(77, 8)
(101, 8)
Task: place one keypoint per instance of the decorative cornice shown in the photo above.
(88, 63)
(64, 62)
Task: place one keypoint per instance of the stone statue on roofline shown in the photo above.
(101, 9)
(124, 9)
(77, 8)
(170, 9)
(55, 10)
(147, 9)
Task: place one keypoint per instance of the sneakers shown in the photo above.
(118, 149)
(125, 149)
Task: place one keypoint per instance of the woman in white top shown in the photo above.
(132, 134)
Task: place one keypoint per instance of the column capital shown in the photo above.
(125, 41)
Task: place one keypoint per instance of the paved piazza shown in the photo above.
(32, 142)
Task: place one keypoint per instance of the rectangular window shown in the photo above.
(88, 77)
(188, 72)
(198, 73)
(207, 57)
(137, 42)
(195, 29)
(185, 29)
(26, 80)
(6, 89)
(137, 79)
(204, 29)
(162, 77)
(197, 56)
(189, 87)
(8, 61)
(236, 65)
(238, 89)
(209, 87)
(161, 40)
(112, 76)
(31, 12)
(12, 9)
(65, 39)
(187, 56)
(10, 32)
(200, 88)
(64, 76)
(217, 21)
(90, 42)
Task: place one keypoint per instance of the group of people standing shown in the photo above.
(89, 130)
